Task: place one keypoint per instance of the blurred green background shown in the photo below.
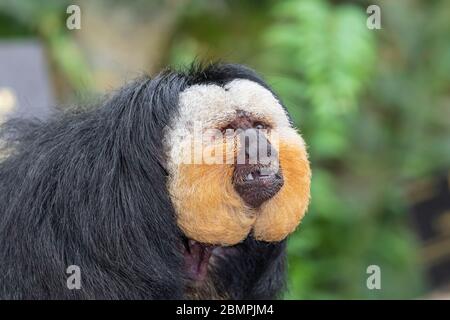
(373, 106)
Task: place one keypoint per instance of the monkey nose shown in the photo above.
(256, 184)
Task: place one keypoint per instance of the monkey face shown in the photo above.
(236, 165)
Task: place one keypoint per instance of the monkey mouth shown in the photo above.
(196, 259)
(256, 184)
(199, 256)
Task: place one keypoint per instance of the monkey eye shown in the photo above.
(259, 125)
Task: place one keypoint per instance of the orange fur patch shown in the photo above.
(210, 211)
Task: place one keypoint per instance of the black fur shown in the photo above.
(88, 189)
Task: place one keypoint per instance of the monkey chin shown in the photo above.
(210, 211)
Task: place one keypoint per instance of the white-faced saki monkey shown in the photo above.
(181, 186)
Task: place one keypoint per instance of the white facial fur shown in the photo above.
(213, 105)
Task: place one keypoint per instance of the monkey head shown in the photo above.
(236, 164)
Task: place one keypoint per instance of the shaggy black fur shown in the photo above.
(88, 189)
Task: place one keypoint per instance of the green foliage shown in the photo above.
(363, 145)
(46, 19)
(330, 53)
